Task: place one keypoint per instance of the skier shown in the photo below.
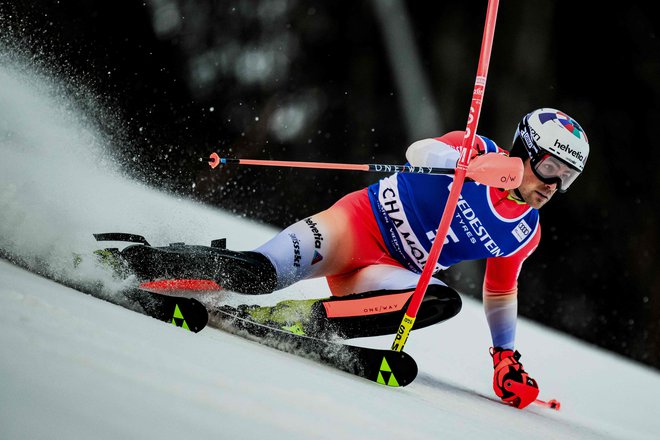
(372, 244)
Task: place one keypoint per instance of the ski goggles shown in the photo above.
(550, 169)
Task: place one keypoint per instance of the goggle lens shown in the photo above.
(551, 169)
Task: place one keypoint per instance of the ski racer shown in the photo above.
(372, 244)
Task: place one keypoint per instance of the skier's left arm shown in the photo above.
(510, 381)
(500, 293)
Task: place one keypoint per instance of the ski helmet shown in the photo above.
(556, 145)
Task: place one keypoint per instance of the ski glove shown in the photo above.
(510, 381)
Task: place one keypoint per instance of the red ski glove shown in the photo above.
(510, 381)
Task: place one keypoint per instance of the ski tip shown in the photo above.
(189, 314)
(121, 236)
(396, 369)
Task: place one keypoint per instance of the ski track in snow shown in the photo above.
(74, 366)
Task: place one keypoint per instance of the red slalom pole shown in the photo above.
(459, 177)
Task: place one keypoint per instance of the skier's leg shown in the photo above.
(385, 294)
(231, 270)
(339, 240)
(311, 248)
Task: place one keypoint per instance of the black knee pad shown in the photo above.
(439, 304)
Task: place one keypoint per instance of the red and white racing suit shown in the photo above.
(378, 238)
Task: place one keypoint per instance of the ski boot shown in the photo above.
(189, 267)
(292, 315)
(353, 316)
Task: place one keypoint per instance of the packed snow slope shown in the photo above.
(76, 367)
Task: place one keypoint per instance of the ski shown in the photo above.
(180, 267)
(187, 313)
(383, 366)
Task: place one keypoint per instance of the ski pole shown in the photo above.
(498, 170)
(459, 177)
(216, 160)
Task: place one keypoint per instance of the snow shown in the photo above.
(74, 366)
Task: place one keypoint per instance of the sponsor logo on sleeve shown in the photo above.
(318, 240)
(296, 250)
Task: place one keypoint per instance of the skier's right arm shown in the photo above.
(441, 152)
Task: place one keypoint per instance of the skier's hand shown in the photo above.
(510, 381)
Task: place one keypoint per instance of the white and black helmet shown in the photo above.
(555, 143)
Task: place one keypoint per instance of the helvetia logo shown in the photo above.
(571, 152)
(318, 237)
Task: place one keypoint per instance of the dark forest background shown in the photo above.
(358, 81)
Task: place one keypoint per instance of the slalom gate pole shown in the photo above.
(459, 177)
